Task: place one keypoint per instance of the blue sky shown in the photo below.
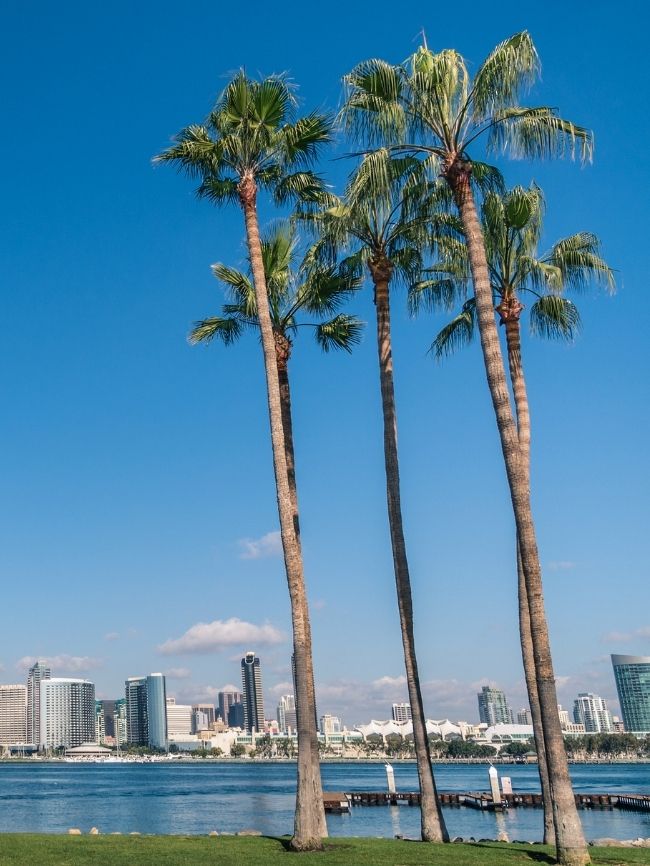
(138, 497)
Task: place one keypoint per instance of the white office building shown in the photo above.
(67, 712)
(591, 711)
(402, 713)
(179, 719)
(287, 714)
(330, 725)
(13, 717)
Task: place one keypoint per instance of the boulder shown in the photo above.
(93, 831)
(457, 839)
(213, 833)
(74, 831)
(249, 833)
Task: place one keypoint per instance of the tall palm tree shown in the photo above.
(430, 106)
(250, 141)
(382, 225)
(294, 288)
(512, 225)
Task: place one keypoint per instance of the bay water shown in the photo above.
(198, 796)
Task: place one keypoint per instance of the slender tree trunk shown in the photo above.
(432, 821)
(570, 841)
(309, 824)
(510, 311)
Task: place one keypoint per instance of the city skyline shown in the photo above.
(136, 469)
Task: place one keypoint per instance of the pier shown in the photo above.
(342, 801)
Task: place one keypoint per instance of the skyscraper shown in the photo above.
(591, 711)
(146, 711)
(402, 713)
(13, 718)
(493, 708)
(67, 712)
(253, 698)
(524, 717)
(37, 673)
(632, 675)
(226, 700)
(287, 713)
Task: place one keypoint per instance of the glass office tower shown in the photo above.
(632, 675)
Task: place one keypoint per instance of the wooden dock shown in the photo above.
(341, 801)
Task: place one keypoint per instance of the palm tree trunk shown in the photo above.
(510, 311)
(570, 841)
(432, 821)
(309, 824)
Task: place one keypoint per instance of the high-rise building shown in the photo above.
(100, 723)
(37, 673)
(236, 716)
(67, 712)
(564, 718)
(591, 711)
(287, 713)
(225, 702)
(136, 711)
(146, 711)
(524, 717)
(632, 675)
(203, 715)
(330, 724)
(156, 711)
(120, 721)
(179, 718)
(253, 698)
(13, 714)
(402, 713)
(493, 707)
(108, 710)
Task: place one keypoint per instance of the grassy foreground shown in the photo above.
(41, 850)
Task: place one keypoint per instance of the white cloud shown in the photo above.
(61, 663)
(178, 673)
(112, 635)
(389, 682)
(285, 688)
(261, 548)
(561, 565)
(209, 637)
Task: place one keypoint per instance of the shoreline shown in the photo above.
(225, 759)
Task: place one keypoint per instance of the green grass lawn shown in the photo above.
(40, 850)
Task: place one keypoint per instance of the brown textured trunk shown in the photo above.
(570, 841)
(432, 821)
(510, 311)
(309, 823)
(282, 354)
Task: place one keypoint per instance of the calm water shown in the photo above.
(198, 797)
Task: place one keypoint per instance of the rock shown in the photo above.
(74, 831)
(116, 833)
(213, 833)
(606, 842)
(93, 831)
(457, 839)
(134, 833)
(502, 837)
(249, 833)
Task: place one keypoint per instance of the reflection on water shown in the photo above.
(201, 796)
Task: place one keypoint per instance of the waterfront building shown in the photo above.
(441, 729)
(179, 719)
(591, 711)
(287, 720)
(100, 723)
(13, 714)
(524, 717)
(563, 715)
(331, 724)
(236, 716)
(632, 675)
(402, 713)
(120, 721)
(146, 711)
(225, 701)
(493, 707)
(67, 712)
(253, 698)
(203, 716)
(108, 709)
(36, 674)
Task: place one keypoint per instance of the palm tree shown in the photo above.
(293, 289)
(251, 141)
(382, 224)
(512, 225)
(431, 107)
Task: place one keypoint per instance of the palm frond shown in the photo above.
(579, 260)
(435, 292)
(373, 110)
(457, 333)
(302, 141)
(513, 66)
(341, 332)
(228, 330)
(554, 317)
(193, 152)
(537, 133)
